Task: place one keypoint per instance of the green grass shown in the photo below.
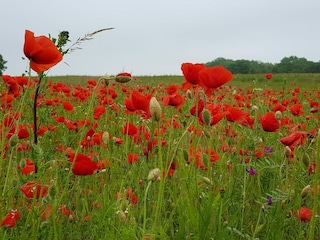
(233, 205)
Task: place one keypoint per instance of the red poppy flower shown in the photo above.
(216, 114)
(133, 157)
(175, 100)
(294, 139)
(141, 102)
(11, 219)
(82, 164)
(172, 89)
(23, 132)
(68, 106)
(98, 111)
(214, 77)
(131, 197)
(130, 129)
(41, 52)
(29, 167)
(190, 71)
(268, 76)
(303, 214)
(296, 109)
(31, 189)
(269, 122)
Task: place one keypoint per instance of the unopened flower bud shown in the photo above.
(13, 140)
(105, 137)
(154, 174)
(189, 94)
(123, 77)
(287, 151)
(155, 109)
(206, 116)
(206, 180)
(278, 115)
(122, 216)
(254, 108)
(306, 190)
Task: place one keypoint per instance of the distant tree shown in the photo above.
(290, 64)
(2, 65)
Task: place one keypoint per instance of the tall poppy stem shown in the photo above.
(35, 125)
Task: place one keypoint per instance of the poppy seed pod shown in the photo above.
(123, 77)
(155, 109)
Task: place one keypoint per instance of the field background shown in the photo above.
(304, 81)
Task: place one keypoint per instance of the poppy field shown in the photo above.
(205, 155)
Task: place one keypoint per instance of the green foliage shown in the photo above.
(2, 65)
(290, 64)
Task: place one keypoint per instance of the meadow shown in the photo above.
(236, 163)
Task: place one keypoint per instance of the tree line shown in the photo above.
(290, 64)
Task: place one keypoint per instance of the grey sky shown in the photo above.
(155, 37)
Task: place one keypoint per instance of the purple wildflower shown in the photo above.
(269, 200)
(251, 171)
(268, 149)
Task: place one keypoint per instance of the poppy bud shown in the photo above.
(123, 77)
(206, 180)
(13, 140)
(189, 94)
(154, 174)
(122, 216)
(306, 190)
(278, 115)
(254, 108)
(105, 137)
(155, 109)
(287, 151)
(206, 116)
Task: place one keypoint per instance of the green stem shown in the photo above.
(161, 186)
(36, 95)
(145, 207)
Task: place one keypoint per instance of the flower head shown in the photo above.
(41, 51)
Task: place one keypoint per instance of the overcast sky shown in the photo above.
(155, 37)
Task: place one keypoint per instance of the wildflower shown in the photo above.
(268, 76)
(68, 106)
(133, 157)
(155, 109)
(251, 171)
(214, 77)
(29, 167)
(41, 51)
(303, 214)
(190, 72)
(82, 165)
(32, 189)
(269, 122)
(11, 219)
